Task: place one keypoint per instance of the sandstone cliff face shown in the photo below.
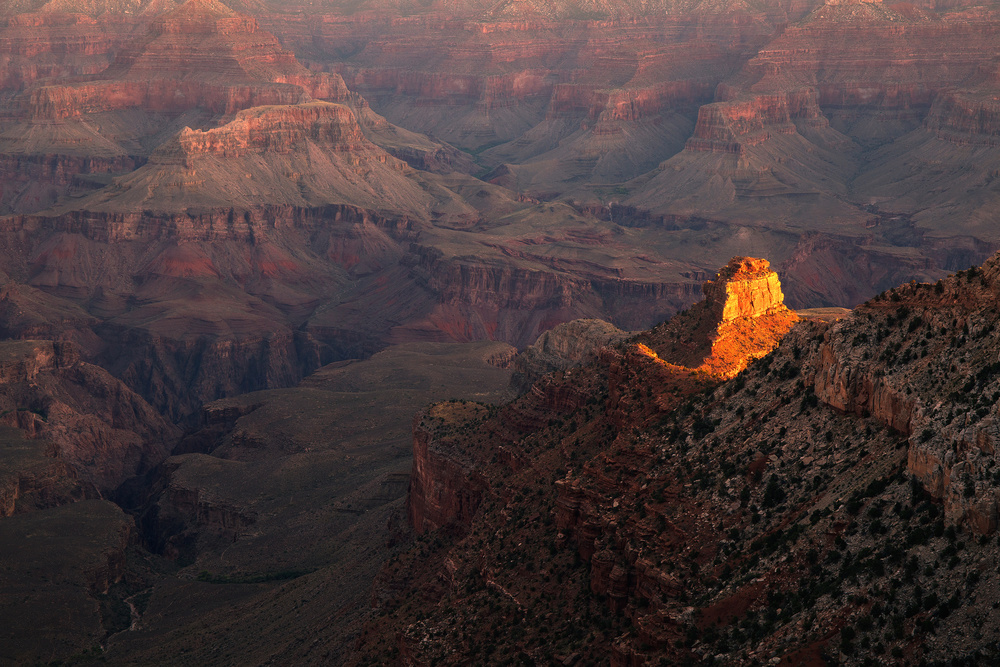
(498, 78)
(443, 489)
(742, 318)
(951, 435)
(746, 287)
(207, 303)
(278, 130)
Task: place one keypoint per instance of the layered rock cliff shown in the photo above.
(909, 382)
(673, 511)
(741, 319)
(202, 54)
(53, 44)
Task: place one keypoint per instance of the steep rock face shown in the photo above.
(277, 130)
(746, 287)
(442, 488)
(46, 45)
(951, 434)
(742, 318)
(102, 432)
(826, 50)
(153, 299)
(448, 482)
(183, 512)
(221, 301)
(499, 78)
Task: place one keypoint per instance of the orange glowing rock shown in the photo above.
(742, 318)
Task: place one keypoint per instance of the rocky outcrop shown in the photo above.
(732, 126)
(742, 318)
(744, 288)
(443, 488)
(310, 154)
(100, 432)
(691, 521)
(560, 348)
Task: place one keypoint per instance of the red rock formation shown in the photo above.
(52, 45)
(745, 320)
(729, 126)
(966, 118)
(742, 318)
(442, 489)
(744, 288)
(100, 432)
(200, 55)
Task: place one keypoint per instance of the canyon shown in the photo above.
(394, 332)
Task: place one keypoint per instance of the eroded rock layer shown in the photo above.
(673, 511)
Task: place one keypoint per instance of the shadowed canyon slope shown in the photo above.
(836, 500)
